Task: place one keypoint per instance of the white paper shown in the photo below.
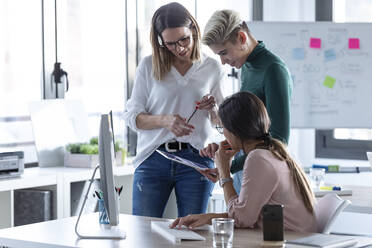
(183, 161)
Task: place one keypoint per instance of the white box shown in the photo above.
(87, 160)
(80, 160)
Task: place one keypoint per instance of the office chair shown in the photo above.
(327, 210)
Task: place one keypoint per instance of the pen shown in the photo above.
(336, 188)
(196, 108)
(97, 194)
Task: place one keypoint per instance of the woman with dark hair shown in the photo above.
(170, 85)
(270, 175)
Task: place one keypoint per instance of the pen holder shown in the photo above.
(103, 217)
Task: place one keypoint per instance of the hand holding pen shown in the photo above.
(207, 102)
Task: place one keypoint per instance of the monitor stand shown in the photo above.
(99, 231)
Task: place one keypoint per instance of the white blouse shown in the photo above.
(175, 94)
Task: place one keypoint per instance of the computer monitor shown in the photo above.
(106, 162)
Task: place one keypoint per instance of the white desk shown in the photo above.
(60, 233)
(361, 196)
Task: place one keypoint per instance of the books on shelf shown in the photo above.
(323, 241)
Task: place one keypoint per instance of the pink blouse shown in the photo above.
(266, 180)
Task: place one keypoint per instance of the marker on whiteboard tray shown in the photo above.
(334, 188)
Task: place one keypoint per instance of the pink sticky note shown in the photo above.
(315, 42)
(354, 43)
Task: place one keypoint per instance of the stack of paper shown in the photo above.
(322, 240)
(351, 223)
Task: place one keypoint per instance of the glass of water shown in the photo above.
(317, 177)
(223, 232)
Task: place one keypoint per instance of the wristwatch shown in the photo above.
(222, 181)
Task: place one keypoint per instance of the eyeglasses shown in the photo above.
(219, 129)
(183, 42)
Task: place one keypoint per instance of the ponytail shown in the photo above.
(298, 176)
(245, 116)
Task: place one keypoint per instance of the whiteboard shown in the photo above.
(331, 68)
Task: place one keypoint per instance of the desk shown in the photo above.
(361, 197)
(60, 233)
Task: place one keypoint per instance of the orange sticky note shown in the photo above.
(315, 42)
(354, 43)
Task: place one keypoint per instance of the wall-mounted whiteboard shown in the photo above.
(331, 66)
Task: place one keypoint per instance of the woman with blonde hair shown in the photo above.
(262, 73)
(270, 175)
(171, 108)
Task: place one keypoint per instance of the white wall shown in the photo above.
(289, 10)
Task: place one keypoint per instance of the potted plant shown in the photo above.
(85, 155)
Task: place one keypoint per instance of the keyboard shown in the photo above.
(175, 235)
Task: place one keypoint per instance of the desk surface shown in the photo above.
(361, 195)
(60, 233)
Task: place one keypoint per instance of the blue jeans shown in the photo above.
(155, 178)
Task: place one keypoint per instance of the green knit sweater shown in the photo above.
(266, 75)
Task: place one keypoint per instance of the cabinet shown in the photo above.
(59, 180)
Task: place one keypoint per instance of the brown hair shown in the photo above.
(245, 116)
(223, 26)
(172, 15)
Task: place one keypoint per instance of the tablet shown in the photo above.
(183, 161)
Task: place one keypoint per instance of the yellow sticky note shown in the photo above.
(329, 82)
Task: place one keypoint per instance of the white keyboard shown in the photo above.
(175, 235)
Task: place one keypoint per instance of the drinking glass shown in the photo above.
(317, 177)
(223, 232)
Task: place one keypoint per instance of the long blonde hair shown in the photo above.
(172, 15)
(223, 26)
(245, 116)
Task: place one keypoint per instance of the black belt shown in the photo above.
(174, 146)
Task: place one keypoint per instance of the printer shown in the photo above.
(11, 164)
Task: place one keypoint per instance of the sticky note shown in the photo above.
(354, 43)
(329, 54)
(298, 53)
(315, 43)
(329, 82)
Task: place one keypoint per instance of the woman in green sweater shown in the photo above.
(262, 73)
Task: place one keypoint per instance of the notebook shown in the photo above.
(174, 235)
(351, 223)
(323, 241)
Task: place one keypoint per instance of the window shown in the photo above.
(346, 143)
(91, 48)
(20, 72)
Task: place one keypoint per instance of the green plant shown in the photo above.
(91, 147)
